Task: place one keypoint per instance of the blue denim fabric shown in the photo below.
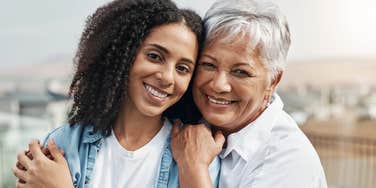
(81, 147)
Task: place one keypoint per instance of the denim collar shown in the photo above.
(89, 136)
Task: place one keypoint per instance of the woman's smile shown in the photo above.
(156, 94)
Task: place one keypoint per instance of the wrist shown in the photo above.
(192, 167)
(194, 175)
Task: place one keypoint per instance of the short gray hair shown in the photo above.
(259, 20)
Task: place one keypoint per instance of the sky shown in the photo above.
(34, 31)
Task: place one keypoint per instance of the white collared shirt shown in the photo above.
(271, 152)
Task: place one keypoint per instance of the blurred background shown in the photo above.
(329, 86)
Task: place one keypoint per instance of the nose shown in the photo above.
(220, 83)
(166, 75)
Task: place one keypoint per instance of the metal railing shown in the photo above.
(349, 162)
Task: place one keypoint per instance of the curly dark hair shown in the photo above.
(105, 54)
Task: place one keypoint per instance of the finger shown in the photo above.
(35, 150)
(28, 154)
(20, 184)
(176, 127)
(62, 152)
(19, 173)
(38, 142)
(219, 139)
(54, 150)
(45, 151)
(20, 166)
(23, 160)
(21, 181)
(203, 127)
(49, 156)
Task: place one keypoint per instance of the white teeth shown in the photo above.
(155, 92)
(218, 101)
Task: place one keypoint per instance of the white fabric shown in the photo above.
(271, 152)
(116, 167)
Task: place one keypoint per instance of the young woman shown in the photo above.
(134, 62)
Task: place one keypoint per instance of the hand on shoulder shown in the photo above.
(38, 167)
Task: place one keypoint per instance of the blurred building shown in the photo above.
(25, 113)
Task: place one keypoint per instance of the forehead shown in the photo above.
(235, 51)
(170, 32)
(176, 38)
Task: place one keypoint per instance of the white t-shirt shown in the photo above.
(116, 167)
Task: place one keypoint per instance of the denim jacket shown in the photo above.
(81, 147)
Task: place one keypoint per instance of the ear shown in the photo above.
(273, 85)
(276, 80)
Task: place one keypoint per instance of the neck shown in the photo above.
(133, 129)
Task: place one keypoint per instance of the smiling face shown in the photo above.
(162, 69)
(231, 87)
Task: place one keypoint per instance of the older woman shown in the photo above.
(234, 89)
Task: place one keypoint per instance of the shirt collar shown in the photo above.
(248, 140)
(89, 136)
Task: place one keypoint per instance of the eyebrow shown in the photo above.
(165, 50)
(237, 64)
(251, 64)
(210, 57)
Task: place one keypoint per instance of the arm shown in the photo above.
(40, 171)
(194, 148)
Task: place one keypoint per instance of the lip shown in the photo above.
(218, 102)
(154, 98)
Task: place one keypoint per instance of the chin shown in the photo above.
(152, 112)
(217, 120)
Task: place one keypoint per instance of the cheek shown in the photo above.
(197, 84)
(251, 103)
(182, 85)
(201, 78)
(252, 95)
(138, 60)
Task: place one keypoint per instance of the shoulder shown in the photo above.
(288, 141)
(63, 132)
(290, 160)
(66, 136)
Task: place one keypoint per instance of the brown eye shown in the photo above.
(183, 68)
(241, 73)
(154, 57)
(207, 66)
